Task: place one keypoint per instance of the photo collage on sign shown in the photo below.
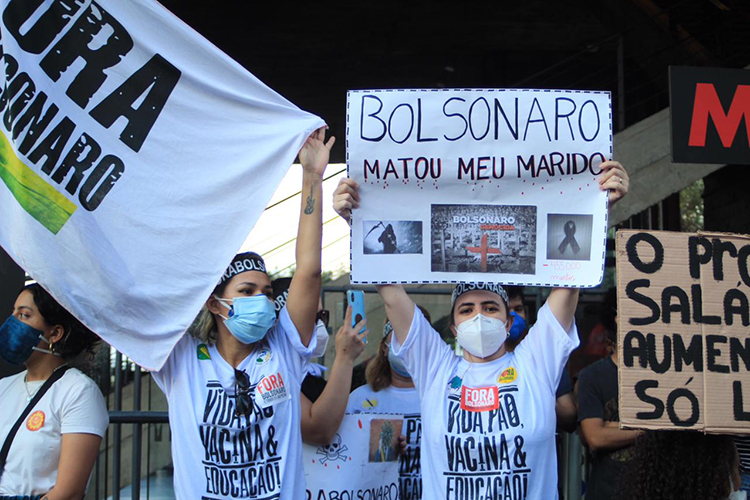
(483, 238)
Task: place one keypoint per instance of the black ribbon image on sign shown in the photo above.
(570, 238)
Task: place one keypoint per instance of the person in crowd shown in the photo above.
(685, 465)
(488, 419)
(322, 418)
(599, 416)
(53, 451)
(233, 386)
(390, 389)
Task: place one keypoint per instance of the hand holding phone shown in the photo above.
(356, 299)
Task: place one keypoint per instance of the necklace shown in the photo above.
(30, 395)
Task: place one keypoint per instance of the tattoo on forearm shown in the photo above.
(310, 202)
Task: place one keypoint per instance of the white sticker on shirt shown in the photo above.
(271, 390)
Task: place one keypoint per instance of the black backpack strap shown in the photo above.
(56, 375)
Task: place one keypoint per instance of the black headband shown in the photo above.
(243, 262)
(462, 288)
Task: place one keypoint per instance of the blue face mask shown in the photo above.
(397, 364)
(250, 318)
(519, 325)
(18, 340)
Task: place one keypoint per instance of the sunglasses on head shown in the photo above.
(243, 402)
(323, 315)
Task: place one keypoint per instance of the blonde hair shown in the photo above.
(204, 326)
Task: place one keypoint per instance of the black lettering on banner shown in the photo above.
(665, 364)
(696, 259)
(658, 406)
(719, 247)
(35, 120)
(567, 116)
(632, 294)
(739, 349)
(471, 121)
(499, 108)
(742, 256)
(529, 121)
(696, 292)
(713, 352)
(580, 121)
(156, 79)
(682, 306)
(41, 34)
(21, 81)
(740, 415)
(730, 309)
(77, 42)
(692, 355)
(634, 258)
(631, 351)
(80, 158)
(672, 399)
(450, 115)
(374, 114)
(419, 124)
(51, 147)
(100, 182)
(411, 121)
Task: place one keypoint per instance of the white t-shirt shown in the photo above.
(220, 455)
(73, 405)
(402, 401)
(489, 428)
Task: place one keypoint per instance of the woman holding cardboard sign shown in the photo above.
(489, 418)
(234, 386)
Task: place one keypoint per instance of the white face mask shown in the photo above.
(481, 335)
(321, 332)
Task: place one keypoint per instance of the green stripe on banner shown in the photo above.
(34, 194)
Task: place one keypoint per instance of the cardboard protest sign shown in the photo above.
(707, 109)
(361, 462)
(478, 185)
(683, 337)
(135, 158)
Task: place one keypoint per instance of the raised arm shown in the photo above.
(304, 289)
(321, 420)
(399, 309)
(563, 301)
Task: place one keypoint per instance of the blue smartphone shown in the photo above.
(356, 299)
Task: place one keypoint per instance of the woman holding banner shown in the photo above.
(233, 387)
(488, 419)
(53, 416)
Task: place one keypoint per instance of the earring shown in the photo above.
(52, 348)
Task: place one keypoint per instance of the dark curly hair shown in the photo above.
(687, 465)
(77, 338)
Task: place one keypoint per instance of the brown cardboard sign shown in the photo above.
(683, 330)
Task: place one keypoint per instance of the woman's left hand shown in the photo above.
(315, 153)
(614, 178)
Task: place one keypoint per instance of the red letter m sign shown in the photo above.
(707, 104)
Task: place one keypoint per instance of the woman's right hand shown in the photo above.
(346, 197)
(350, 343)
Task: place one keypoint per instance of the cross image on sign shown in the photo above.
(484, 250)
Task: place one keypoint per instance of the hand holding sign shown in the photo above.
(615, 179)
(346, 197)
